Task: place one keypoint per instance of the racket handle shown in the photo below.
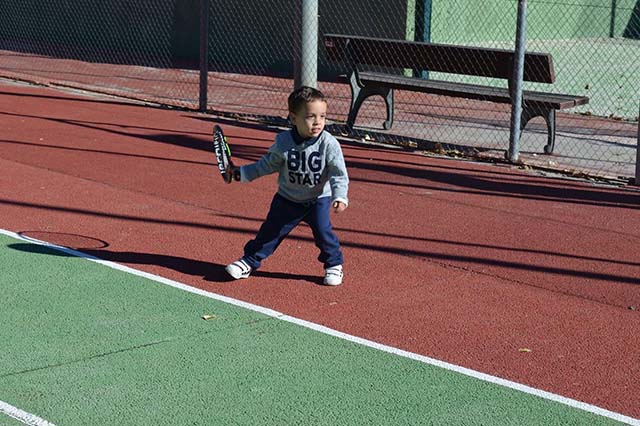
(228, 176)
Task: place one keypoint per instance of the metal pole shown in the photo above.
(637, 180)
(423, 27)
(204, 53)
(306, 57)
(612, 22)
(516, 82)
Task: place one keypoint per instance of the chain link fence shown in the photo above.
(149, 50)
(124, 48)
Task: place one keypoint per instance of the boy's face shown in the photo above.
(310, 119)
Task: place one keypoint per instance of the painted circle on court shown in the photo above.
(72, 241)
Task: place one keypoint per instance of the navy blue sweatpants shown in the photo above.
(284, 215)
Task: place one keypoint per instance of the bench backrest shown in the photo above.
(475, 61)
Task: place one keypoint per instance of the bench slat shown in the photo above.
(471, 91)
(465, 60)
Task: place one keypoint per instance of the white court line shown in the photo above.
(331, 332)
(23, 416)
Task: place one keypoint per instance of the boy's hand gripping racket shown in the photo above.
(223, 154)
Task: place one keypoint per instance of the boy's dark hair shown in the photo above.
(302, 95)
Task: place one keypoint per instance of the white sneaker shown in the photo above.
(239, 269)
(333, 275)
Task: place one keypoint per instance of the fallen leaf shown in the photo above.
(524, 350)
(208, 317)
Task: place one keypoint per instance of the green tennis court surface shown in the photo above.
(84, 344)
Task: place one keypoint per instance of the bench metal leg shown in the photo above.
(388, 100)
(356, 102)
(360, 94)
(551, 131)
(549, 116)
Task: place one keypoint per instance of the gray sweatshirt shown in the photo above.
(308, 170)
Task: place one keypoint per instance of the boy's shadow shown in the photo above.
(209, 271)
(212, 272)
(314, 279)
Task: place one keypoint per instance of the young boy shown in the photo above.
(312, 178)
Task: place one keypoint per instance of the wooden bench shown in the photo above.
(357, 52)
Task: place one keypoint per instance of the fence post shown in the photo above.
(516, 82)
(423, 28)
(204, 53)
(306, 51)
(612, 22)
(637, 180)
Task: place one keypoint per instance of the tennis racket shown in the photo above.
(223, 153)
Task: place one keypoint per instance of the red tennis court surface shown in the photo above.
(530, 278)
